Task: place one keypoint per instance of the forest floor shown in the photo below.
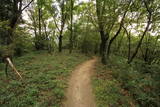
(79, 92)
(108, 89)
(45, 79)
(72, 80)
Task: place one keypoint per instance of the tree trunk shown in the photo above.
(119, 43)
(60, 43)
(103, 46)
(63, 20)
(146, 55)
(103, 50)
(129, 46)
(144, 33)
(71, 36)
(155, 45)
(129, 42)
(39, 19)
(117, 33)
(6, 69)
(12, 26)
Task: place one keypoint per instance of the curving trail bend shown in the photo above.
(79, 92)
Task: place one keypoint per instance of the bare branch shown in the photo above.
(27, 5)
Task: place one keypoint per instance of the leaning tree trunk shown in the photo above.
(144, 33)
(118, 31)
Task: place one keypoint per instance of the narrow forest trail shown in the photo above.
(79, 92)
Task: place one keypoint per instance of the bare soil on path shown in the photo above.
(79, 92)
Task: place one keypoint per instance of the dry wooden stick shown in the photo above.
(13, 67)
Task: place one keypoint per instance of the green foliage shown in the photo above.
(6, 6)
(107, 89)
(45, 75)
(6, 51)
(44, 80)
(126, 85)
(89, 43)
(139, 79)
(22, 42)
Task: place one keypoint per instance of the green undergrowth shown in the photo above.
(121, 84)
(108, 91)
(139, 79)
(44, 79)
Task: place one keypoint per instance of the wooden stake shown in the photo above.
(13, 67)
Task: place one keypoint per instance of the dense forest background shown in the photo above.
(125, 34)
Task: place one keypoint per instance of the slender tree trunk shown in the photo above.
(155, 45)
(32, 17)
(36, 37)
(129, 42)
(71, 36)
(109, 49)
(60, 43)
(138, 46)
(111, 41)
(39, 19)
(63, 20)
(118, 31)
(46, 36)
(144, 33)
(146, 54)
(129, 46)
(6, 69)
(120, 43)
(147, 49)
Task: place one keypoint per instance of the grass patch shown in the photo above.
(44, 79)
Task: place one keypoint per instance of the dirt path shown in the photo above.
(79, 92)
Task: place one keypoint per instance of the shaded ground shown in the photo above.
(79, 93)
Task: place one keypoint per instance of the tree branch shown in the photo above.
(27, 5)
